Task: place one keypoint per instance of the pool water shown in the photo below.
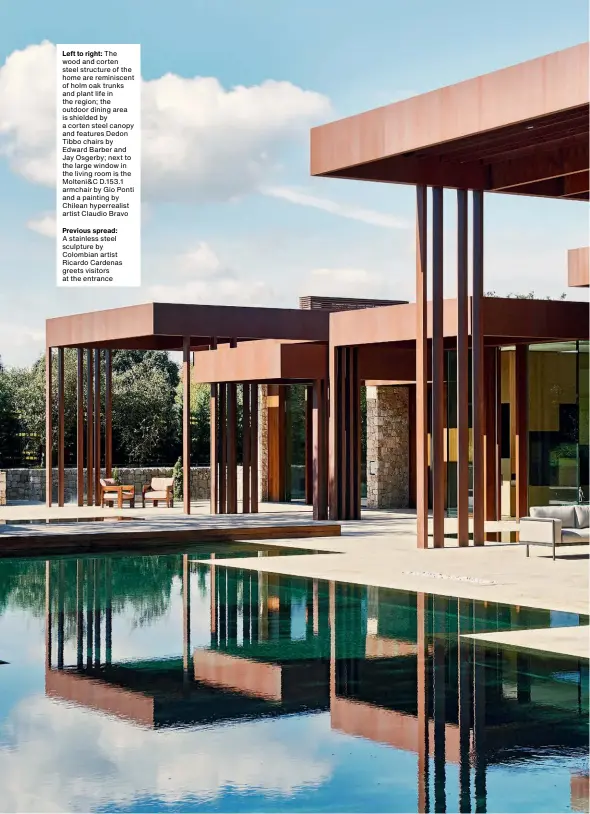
(163, 683)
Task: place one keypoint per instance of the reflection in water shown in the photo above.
(385, 667)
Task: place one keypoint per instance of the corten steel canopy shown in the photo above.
(578, 267)
(266, 360)
(521, 130)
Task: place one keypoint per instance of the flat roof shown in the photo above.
(162, 326)
(521, 130)
(264, 361)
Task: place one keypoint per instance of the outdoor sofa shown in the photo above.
(159, 490)
(555, 526)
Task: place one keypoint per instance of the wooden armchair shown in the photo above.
(159, 490)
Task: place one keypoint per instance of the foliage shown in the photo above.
(177, 474)
(9, 424)
(125, 360)
(530, 296)
(117, 476)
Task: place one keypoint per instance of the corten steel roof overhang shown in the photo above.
(578, 267)
(162, 326)
(265, 360)
(521, 130)
(505, 321)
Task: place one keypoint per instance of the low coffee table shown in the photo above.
(124, 492)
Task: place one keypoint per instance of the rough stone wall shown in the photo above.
(388, 447)
(262, 443)
(29, 484)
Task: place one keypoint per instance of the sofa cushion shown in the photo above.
(155, 495)
(582, 516)
(564, 513)
(575, 535)
(160, 484)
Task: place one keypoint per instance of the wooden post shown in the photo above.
(438, 378)
(80, 426)
(89, 429)
(108, 413)
(186, 423)
(462, 370)
(97, 427)
(521, 409)
(477, 362)
(421, 369)
(48, 428)
(60, 428)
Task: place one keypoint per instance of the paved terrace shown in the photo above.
(380, 550)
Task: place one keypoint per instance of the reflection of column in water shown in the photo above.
(523, 678)
(232, 606)
(262, 606)
(79, 613)
(332, 622)
(254, 600)
(464, 625)
(284, 596)
(246, 606)
(89, 609)
(186, 612)
(440, 604)
(315, 608)
(422, 702)
(97, 613)
(60, 615)
(213, 590)
(479, 725)
(222, 602)
(108, 611)
(48, 615)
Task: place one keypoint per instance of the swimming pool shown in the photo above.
(159, 683)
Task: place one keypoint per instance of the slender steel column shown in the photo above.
(80, 426)
(309, 445)
(97, 427)
(232, 458)
(521, 409)
(186, 423)
(490, 472)
(477, 362)
(108, 413)
(333, 433)
(254, 449)
(462, 369)
(60, 428)
(246, 447)
(438, 374)
(319, 458)
(213, 447)
(89, 428)
(422, 692)
(498, 440)
(222, 447)
(48, 427)
(421, 369)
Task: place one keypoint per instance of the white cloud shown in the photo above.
(345, 282)
(56, 757)
(43, 224)
(199, 276)
(370, 216)
(200, 141)
(17, 336)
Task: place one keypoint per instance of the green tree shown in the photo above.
(9, 424)
(124, 360)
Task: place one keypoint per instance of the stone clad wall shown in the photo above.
(29, 484)
(388, 447)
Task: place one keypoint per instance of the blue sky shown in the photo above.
(241, 221)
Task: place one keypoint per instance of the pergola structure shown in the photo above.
(521, 131)
(155, 326)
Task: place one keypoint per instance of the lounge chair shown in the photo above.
(111, 491)
(555, 526)
(160, 489)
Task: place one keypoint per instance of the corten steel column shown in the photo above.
(246, 448)
(60, 428)
(477, 364)
(186, 423)
(222, 447)
(80, 426)
(97, 427)
(232, 439)
(521, 410)
(462, 369)
(490, 473)
(48, 428)
(108, 413)
(499, 433)
(89, 428)
(213, 450)
(309, 445)
(320, 452)
(422, 692)
(333, 433)
(421, 369)
(438, 377)
(254, 448)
